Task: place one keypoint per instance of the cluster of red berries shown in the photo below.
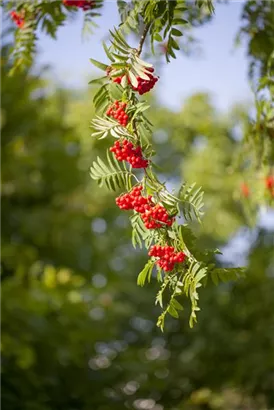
(18, 19)
(117, 111)
(134, 200)
(154, 216)
(125, 151)
(82, 4)
(167, 256)
(143, 85)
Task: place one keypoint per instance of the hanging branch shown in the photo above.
(156, 212)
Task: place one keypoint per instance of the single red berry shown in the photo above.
(245, 190)
(269, 182)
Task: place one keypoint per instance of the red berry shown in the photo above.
(167, 256)
(116, 110)
(145, 85)
(245, 190)
(269, 183)
(127, 152)
(18, 19)
(157, 217)
(133, 200)
(83, 4)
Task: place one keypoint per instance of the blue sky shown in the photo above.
(221, 70)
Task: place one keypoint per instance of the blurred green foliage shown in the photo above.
(77, 333)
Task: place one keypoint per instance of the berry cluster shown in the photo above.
(125, 151)
(167, 256)
(82, 4)
(156, 217)
(18, 19)
(145, 86)
(117, 111)
(134, 200)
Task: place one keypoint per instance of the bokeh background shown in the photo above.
(77, 332)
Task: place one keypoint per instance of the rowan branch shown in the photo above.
(142, 40)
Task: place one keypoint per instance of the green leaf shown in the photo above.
(118, 66)
(171, 52)
(179, 21)
(170, 201)
(97, 80)
(142, 62)
(108, 53)
(176, 32)
(137, 70)
(157, 37)
(174, 44)
(115, 91)
(226, 274)
(177, 305)
(124, 81)
(105, 126)
(192, 202)
(111, 174)
(133, 79)
(145, 274)
(98, 64)
(139, 232)
(101, 98)
(119, 57)
(161, 321)
(172, 311)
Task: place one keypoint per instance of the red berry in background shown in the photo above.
(125, 151)
(117, 111)
(167, 255)
(269, 184)
(18, 19)
(83, 4)
(245, 190)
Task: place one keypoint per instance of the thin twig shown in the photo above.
(139, 50)
(142, 40)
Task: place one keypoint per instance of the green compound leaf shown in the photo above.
(111, 173)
